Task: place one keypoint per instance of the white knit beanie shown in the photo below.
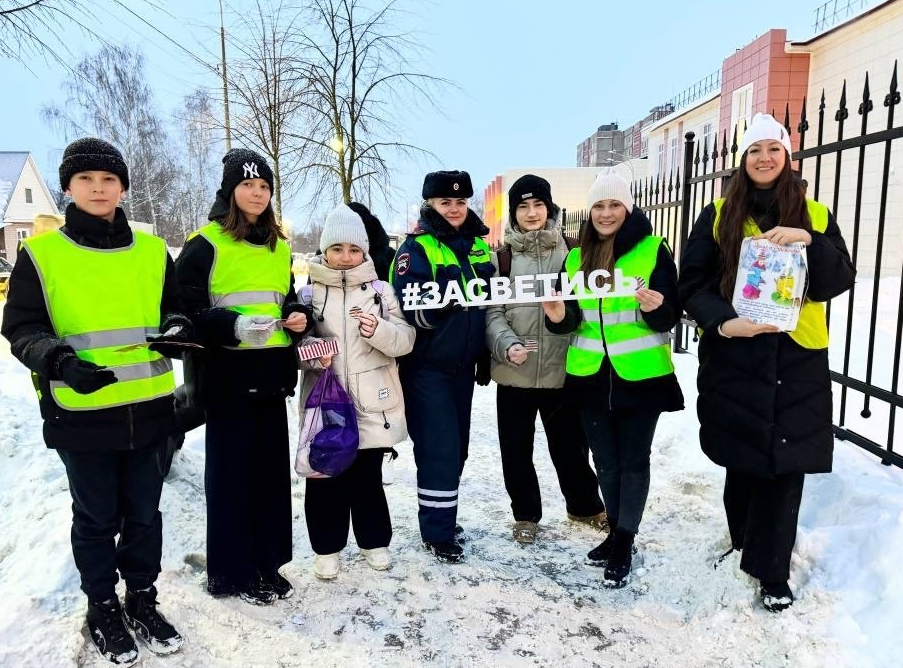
(344, 226)
(764, 127)
(610, 185)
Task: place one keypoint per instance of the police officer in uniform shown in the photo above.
(438, 376)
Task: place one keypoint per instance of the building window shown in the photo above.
(660, 159)
(644, 147)
(741, 112)
(28, 195)
(672, 155)
(21, 234)
(707, 136)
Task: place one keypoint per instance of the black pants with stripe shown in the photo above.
(437, 409)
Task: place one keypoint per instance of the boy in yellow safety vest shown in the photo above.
(84, 303)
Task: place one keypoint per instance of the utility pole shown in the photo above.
(222, 42)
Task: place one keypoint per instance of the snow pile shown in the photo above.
(507, 605)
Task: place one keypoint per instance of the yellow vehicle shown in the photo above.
(5, 269)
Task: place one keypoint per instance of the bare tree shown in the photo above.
(198, 129)
(109, 98)
(34, 28)
(267, 90)
(359, 73)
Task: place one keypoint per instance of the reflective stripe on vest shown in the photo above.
(248, 279)
(440, 255)
(615, 327)
(127, 283)
(812, 326)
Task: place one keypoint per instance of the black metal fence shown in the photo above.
(858, 177)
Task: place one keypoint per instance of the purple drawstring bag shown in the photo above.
(329, 436)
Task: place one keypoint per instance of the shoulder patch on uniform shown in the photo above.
(402, 264)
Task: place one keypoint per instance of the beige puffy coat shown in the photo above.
(365, 367)
(536, 252)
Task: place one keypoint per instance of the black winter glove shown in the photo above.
(181, 333)
(483, 368)
(83, 376)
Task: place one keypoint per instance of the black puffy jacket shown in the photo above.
(764, 402)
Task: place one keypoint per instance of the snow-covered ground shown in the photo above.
(507, 605)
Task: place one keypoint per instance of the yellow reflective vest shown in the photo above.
(248, 279)
(100, 301)
(615, 327)
(812, 327)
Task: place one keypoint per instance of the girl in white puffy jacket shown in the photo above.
(362, 313)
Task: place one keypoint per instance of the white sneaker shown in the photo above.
(378, 558)
(326, 566)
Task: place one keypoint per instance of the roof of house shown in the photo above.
(11, 165)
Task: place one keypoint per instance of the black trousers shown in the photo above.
(355, 495)
(516, 408)
(248, 485)
(116, 493)
(762, 516)
(621, 442)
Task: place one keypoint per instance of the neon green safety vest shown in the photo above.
(248, 279)
(101, 300)
(812, 327)
(615, 326)
(440, 255)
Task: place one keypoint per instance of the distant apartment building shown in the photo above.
(604, 147)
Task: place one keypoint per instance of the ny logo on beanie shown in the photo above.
(251, 170)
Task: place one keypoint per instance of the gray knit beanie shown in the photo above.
(344, 226)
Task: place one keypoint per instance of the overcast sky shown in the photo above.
(534, 77)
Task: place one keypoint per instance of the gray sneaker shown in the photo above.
(525, 531)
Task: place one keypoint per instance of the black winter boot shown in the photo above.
(279, 584)
(109, 634)
(258, 593)
(617, 570)
(446, 551)
(776, 596)
(154, 630)
(600, 554)
(460, 535)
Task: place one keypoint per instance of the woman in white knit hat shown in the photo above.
(764, 395)
(619, 368)
(362, 313)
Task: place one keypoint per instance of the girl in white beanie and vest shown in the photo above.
(619, 368)
(362, 313)
(764, 395)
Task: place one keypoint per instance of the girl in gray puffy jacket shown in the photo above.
(528, 365)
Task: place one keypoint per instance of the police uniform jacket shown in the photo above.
(451, 338)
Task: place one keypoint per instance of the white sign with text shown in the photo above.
(524, 289)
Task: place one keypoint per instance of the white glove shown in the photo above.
(254, 330)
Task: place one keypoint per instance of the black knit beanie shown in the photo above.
(240, 164)
(528, 186)
(90, 154)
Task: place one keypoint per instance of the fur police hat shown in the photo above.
(529, 186)
(447, 184)
(90, 154)
(240, 164)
